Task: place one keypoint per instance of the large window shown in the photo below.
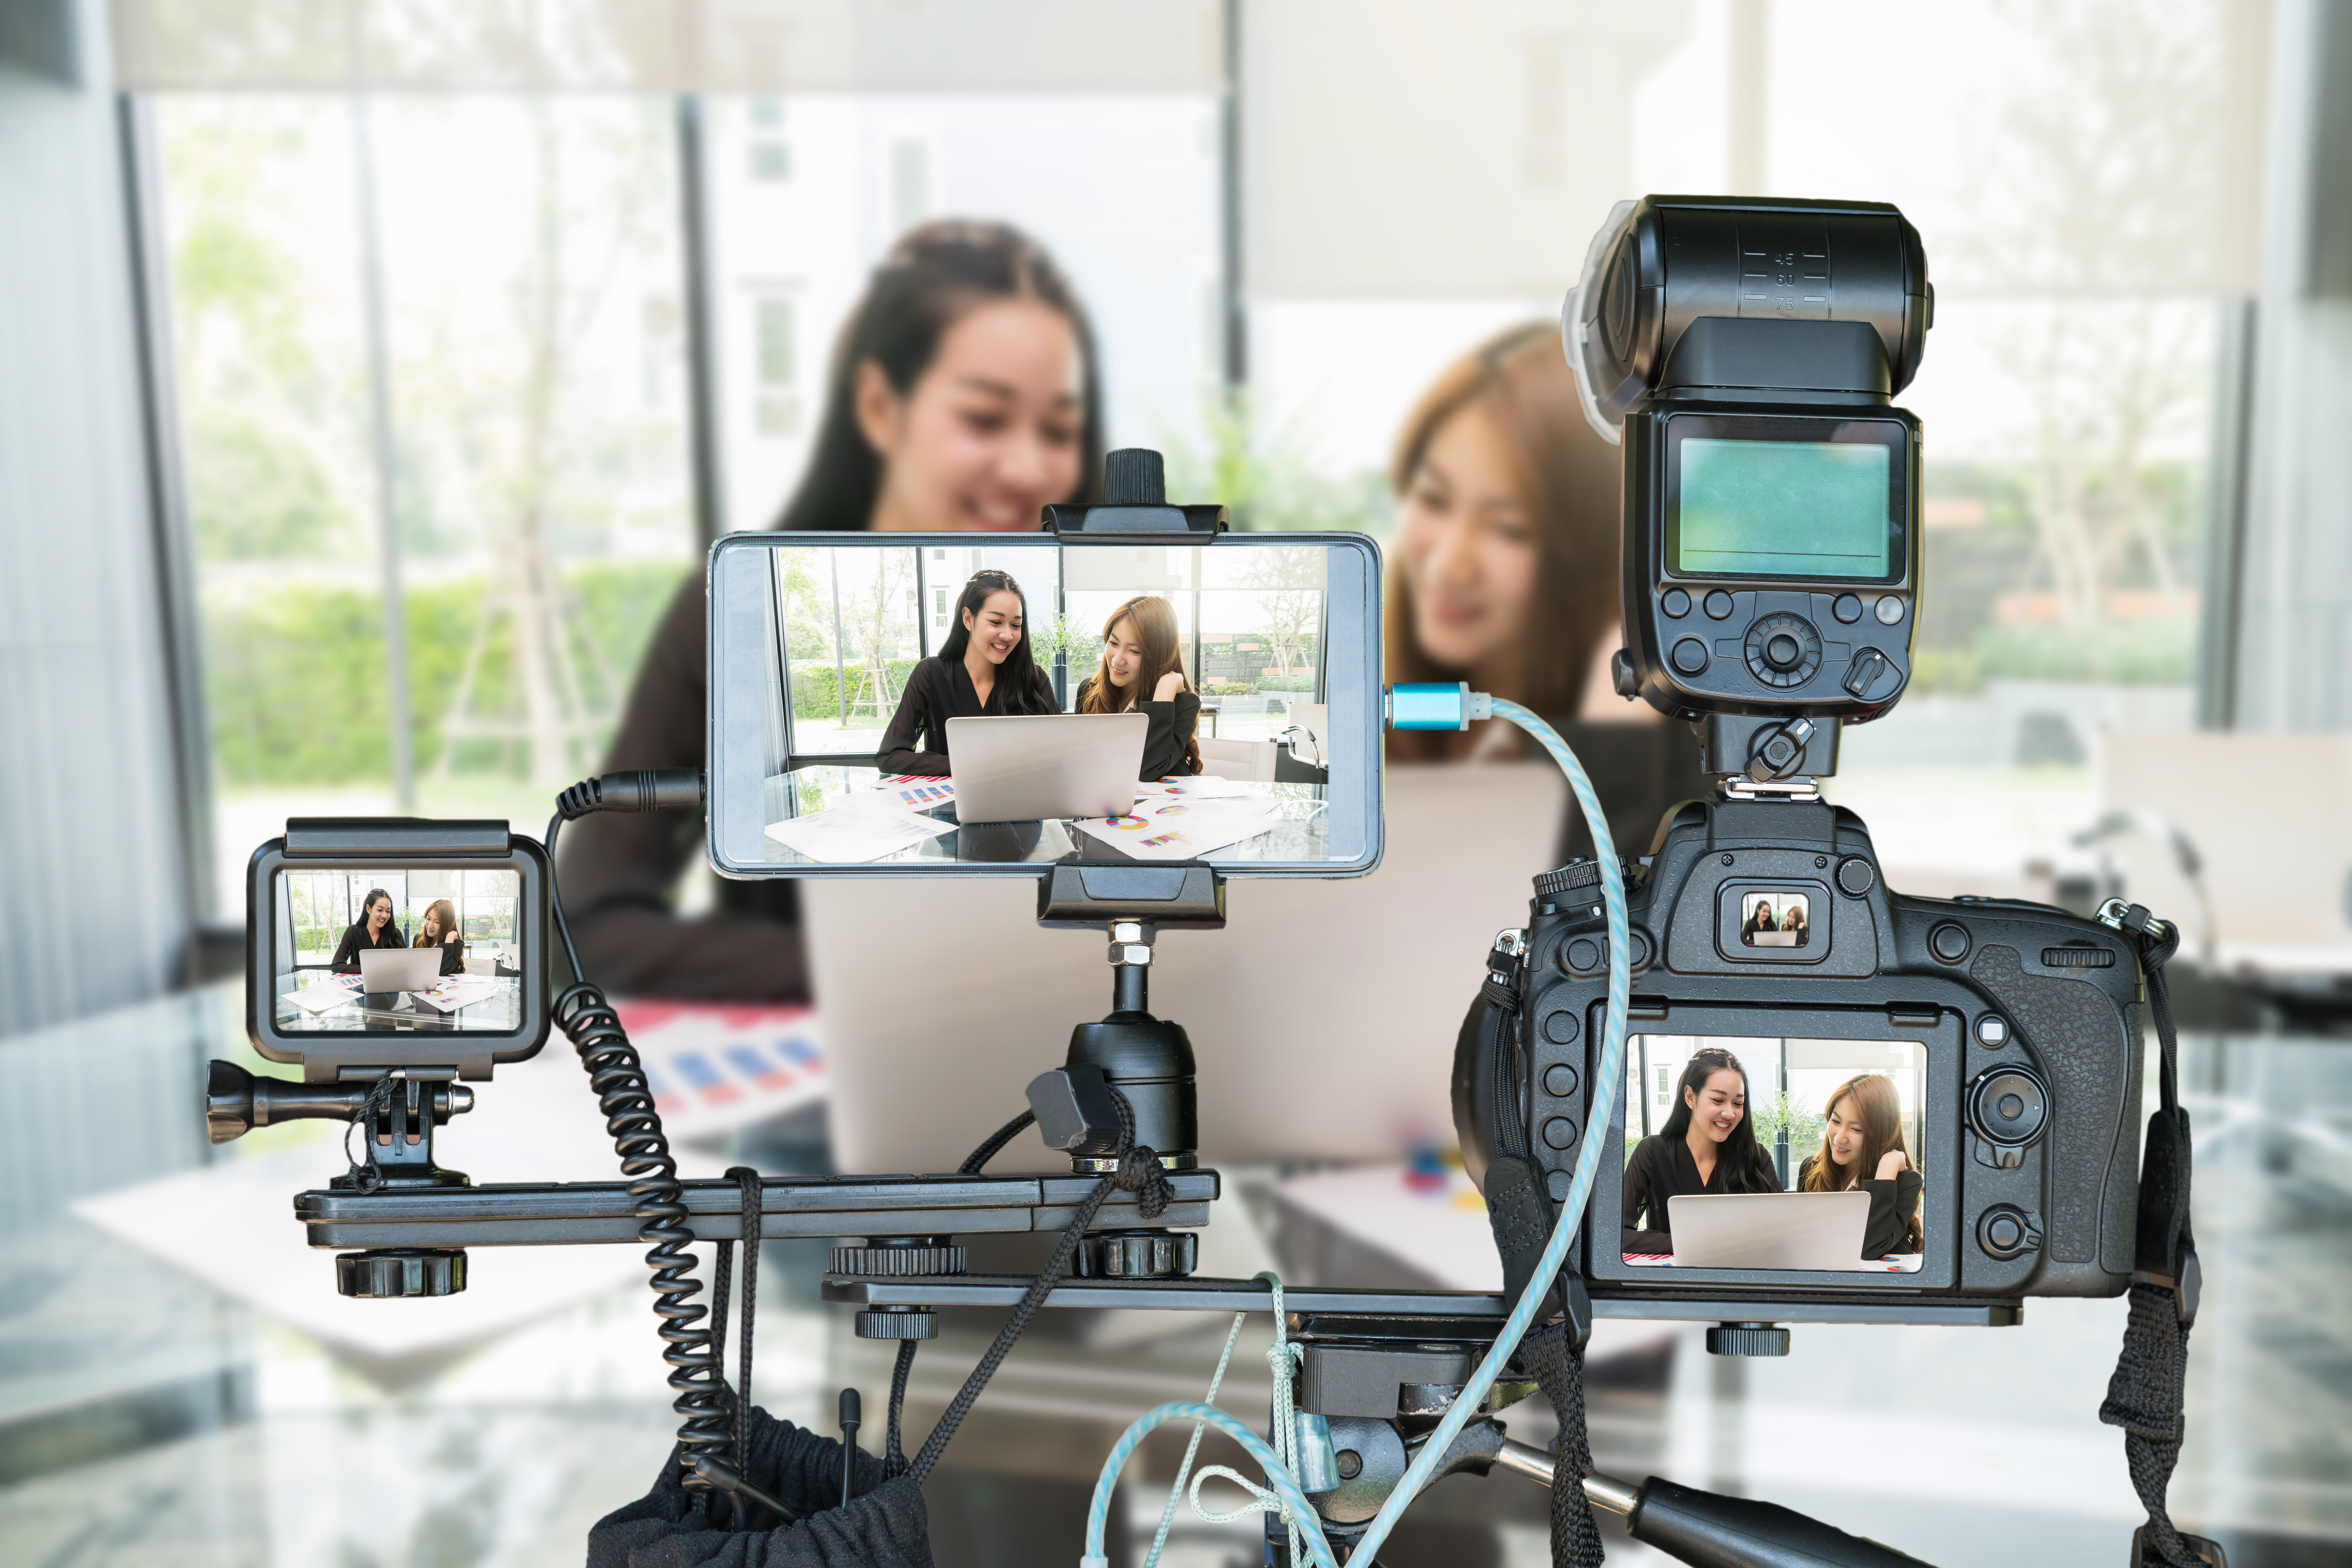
(429, 351)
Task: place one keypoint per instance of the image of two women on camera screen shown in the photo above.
(1708, 1143)
(987, 666)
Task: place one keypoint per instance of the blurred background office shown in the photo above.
(372, 373)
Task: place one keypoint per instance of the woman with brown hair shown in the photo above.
(1143, 668)
(439, 929)
(1502, 572)
(1863, 1146)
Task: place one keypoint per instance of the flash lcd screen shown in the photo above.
(1783, 509)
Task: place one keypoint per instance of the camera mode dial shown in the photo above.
(1783, 650)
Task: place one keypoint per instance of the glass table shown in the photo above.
(1299, 832)
(370, 1011)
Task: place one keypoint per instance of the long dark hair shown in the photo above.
(1152, 621)
(1746, 1168)
(391, 922)
(931, 277)
(1567, 477)
(1020, 685)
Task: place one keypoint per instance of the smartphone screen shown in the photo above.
(928, 704)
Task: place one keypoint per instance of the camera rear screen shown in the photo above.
(1811, 1152)
(373, 950)
(1782, 509)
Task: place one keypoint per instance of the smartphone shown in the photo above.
(1263, 757)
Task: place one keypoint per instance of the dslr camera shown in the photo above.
(1746, 355)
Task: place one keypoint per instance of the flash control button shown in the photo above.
(1847, 608)
(1783, 650)
(1718, 604)
(1676, 603)
(1868, 666)
(1889, 610)
(1690, 656)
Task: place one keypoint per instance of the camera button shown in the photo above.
(1559, 1081)
(1560, 1029)
(1949, 942)
(1855, 876)
(1718, 604)
(1690, 655)
(1847, 608)
(1584, 956)
(1890, 609)
(1558, 1132)
(1676, 603)
(1992, 1031)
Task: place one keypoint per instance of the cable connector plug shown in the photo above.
(1435, 705)
(648, 789)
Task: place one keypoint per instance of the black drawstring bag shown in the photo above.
(884, 1526)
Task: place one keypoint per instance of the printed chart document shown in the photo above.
(905, 792)
(458, 990)
(1179, 829)
(849, 833)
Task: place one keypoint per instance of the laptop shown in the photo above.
(1323, 1016)
(1769, 1230)
(1028, 767)
(399, 969)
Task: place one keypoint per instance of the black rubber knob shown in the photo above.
(1747, 1339)
(1854, 875)
(1782, 652)
(1135, 476)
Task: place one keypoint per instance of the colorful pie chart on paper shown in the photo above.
(1129, 822)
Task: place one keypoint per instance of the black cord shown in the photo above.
(366, 1175)
(1139, 1172)
(753, 1192)
(589, 1021)
(894, 1456)
(980, 1157)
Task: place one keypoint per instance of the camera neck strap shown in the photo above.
(2145, 1396)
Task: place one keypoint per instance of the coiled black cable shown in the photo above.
(589, 1021)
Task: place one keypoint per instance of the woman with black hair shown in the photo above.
(983, 668)
(1707, 1145)
(374, 928)
(964, 394)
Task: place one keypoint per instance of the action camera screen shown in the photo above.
(377, 950)
(1812, 1149)
(1783, 509)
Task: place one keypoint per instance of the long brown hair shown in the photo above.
(1873, 1096)
(1567, 477)
(1154, 622)
(438, 909)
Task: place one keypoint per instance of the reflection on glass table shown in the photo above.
(1285, 822)
(333, 1003)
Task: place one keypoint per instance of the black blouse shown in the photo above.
(452, 953)
(1893, 1202)
(1662, 1168)
(1171, 726)
(936, 693)
(347, 956)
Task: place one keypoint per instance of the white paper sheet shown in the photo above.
(320, 998)
(1202, 786)
(458, 990)
(845, 836)
(904, 792)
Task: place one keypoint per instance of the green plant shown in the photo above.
(1263, 478)
(1782, 1111)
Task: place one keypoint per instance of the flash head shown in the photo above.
(1719, 299)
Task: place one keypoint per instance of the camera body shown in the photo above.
(2023, 1018)
(1746, 353)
